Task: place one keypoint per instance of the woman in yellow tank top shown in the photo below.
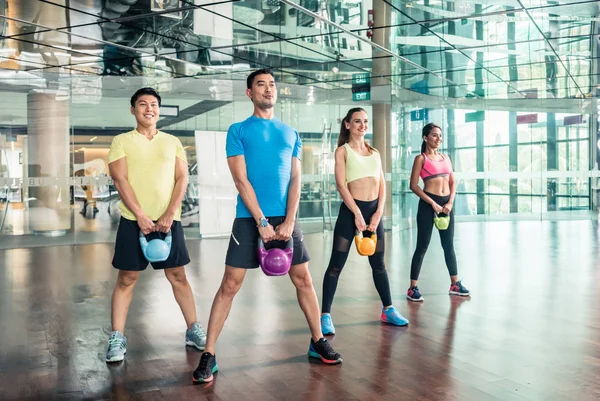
(361, 183)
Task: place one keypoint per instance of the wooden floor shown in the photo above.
(531, 330)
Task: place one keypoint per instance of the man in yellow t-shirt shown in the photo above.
(149, 170)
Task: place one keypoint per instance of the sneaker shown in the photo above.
(322, 350)
(327, 325)
(414, 294)
(117, 347)
(392, 316)
(206, 368)
(458, 289)
(196, 337)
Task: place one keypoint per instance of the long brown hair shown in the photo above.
(345, 132)
(426, 131)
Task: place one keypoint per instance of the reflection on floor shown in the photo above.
(529, 332)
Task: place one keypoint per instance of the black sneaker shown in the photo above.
(323, 351)
(206, 368)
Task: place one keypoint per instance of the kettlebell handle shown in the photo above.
(142, 235)
(288, 245)
(144, 242)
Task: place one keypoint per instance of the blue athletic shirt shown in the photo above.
(268, 147)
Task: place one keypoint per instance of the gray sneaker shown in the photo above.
(117, 347)
(196, 337)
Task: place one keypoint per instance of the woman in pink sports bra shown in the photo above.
(436, 197)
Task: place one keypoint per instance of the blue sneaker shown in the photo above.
(459, 289)
(392, 316)
(327, 325)
(117, 347)
(413, 294)
(196, 337)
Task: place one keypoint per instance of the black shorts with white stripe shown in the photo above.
(243, 243)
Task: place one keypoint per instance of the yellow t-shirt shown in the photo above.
(150, 170)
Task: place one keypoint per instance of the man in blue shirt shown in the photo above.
(264, 159)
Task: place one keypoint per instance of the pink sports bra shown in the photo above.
(435, 168)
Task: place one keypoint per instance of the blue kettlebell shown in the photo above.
(156, 250)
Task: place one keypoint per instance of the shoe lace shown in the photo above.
(115, 342)
(327, 349)
(204, 362)
(197, 330)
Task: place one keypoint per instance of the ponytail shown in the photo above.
(345, 132)
(426, 131)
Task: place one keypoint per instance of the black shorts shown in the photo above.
(243, 247)
(128, 251)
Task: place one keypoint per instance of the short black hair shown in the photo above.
(142, 92)
(250, 79)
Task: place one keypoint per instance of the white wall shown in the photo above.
(216, 189)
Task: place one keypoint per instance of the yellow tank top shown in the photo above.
(359, 166)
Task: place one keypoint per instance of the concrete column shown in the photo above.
(513, 160)
(381, 118)
(513, 147)
(552, 161)
(48, 159)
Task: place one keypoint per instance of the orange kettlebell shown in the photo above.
(365, 246)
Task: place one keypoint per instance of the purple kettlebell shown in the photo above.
(275, 261)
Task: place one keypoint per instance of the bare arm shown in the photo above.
(181, 183)
(381, 203)
(294, 190)
(376, 218)
(414, 180)
(285, 230)
(447, 208)
(237, 166)
(118, 172)
(165, 221)
(452, 184)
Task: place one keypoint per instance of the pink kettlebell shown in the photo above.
(275, 261)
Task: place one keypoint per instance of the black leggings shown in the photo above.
(343, 238)
(425, 216)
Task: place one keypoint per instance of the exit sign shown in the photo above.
(419, 115)
(361, 79)
(358, 96)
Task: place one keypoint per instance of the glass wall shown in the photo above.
(55, 186)
(515, 95)
(508, 165)
(516, 99)
(67, 72)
